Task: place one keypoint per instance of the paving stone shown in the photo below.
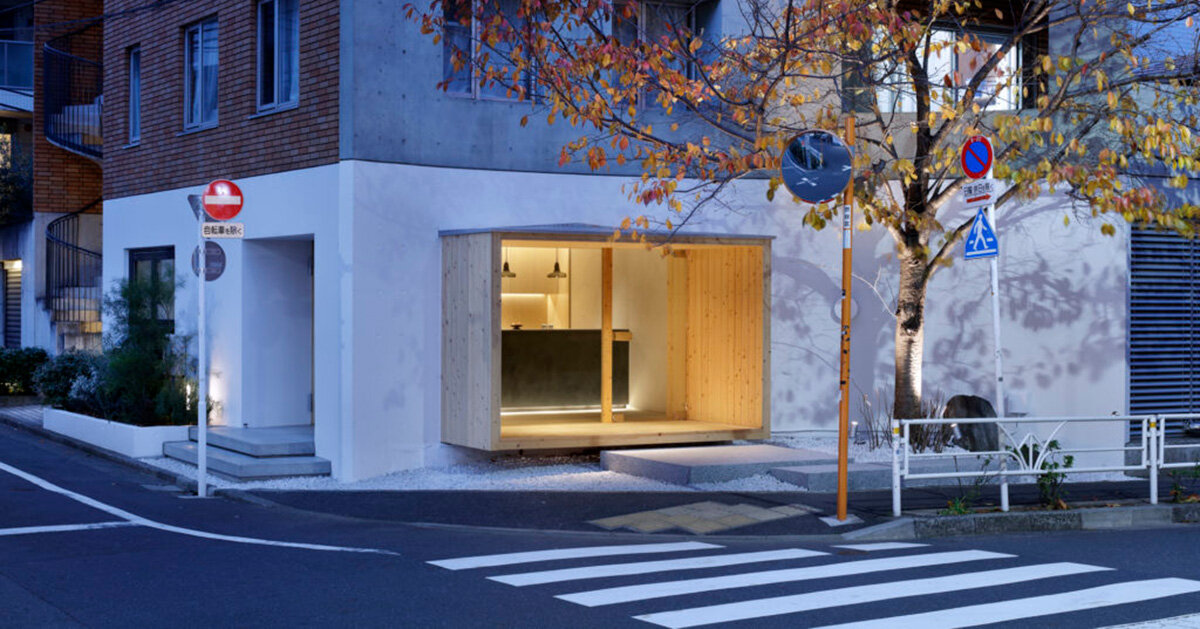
(701, 528)
(652, 526)
(737, 520)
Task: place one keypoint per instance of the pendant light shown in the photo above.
(505, 272)
(557, 272)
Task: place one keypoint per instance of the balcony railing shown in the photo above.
(72, 272)
(72, 86)
(16, 65)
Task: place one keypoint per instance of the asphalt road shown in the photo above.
(85, 542)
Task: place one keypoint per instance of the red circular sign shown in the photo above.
(222, 199)
(976, 157)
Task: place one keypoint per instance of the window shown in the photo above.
(659, 22)
(278, 53)
(200, 75)
(156, 266)
(465, 58)
(1000, 90)
(135, 94)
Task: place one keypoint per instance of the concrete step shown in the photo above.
(261, 442)
(708, 464)
(241, 467)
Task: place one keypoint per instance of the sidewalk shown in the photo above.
(662, 509)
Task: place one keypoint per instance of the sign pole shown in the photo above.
(844, 382)
(1000, 412)
(202, 368)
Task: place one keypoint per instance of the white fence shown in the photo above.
(1024, 448)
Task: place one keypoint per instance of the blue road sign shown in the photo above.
(976, 156)
(982, 241)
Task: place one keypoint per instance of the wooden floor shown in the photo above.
(583, 430)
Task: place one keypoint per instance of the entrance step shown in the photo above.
(261, 442)
(708, 464)
(242, 467)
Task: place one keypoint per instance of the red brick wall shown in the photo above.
(62, 181)
(243, 143)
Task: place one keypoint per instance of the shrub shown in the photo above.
(17, 367)
(145, 378)
(55, 378)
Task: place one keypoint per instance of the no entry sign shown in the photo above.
(222, 199)
(976, 156)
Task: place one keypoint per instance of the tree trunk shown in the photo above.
(910, 337)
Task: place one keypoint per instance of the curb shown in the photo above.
(182, 482)
(1083, 519)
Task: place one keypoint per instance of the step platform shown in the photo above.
(238, 466)
(708, 464)
(261, 442)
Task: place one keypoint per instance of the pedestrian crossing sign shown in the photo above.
(982, 241)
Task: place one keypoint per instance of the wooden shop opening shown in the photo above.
(560, 337)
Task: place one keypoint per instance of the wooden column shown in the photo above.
(606, 335)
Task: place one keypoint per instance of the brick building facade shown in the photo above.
(244, 142)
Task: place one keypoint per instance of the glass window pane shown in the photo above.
(210, 63)
(456, 46)
(266, 53)
(135, 94)
(192, 80)
(289, 51)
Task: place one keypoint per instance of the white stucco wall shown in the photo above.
(378, 299)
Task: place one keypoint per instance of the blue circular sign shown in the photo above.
(976, 157)
(816, 166)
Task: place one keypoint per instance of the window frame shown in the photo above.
(156, 256)
(276, 55)
(134, 104)
(199, 27)
(476, 92)
(691, 9)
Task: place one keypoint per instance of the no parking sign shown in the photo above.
(976, 157)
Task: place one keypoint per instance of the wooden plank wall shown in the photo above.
(677, 320)
(471, 340)
(725, 337)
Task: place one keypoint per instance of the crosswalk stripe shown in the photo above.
(646, 591)
(487, 561)
(645, 567)
(775, 606)
(988, 613)
(881, 546)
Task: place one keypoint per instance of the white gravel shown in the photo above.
(560, 473)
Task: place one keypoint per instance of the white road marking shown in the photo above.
(646, 591)
(139, 520)
(858, 595)
(1187, 621)
(988, 613)
(646, 567)
(63, 528)
(881, 546)
(487, 561)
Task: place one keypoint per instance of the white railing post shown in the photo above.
(896, 467)
(1003, 468)
(1153, 445)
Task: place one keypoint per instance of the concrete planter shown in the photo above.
(132, 441)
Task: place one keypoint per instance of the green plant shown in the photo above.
(145, 377)
(964, 502)
(1051, 482)
(17, 367)
(54, 378)
(1185, 484)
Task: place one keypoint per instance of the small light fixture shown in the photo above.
(505, 272)
(557, 272)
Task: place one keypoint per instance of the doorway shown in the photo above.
(278, 334)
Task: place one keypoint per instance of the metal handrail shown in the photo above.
(73, 272)
(72, 95)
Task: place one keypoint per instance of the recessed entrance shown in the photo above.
(278, 334)
(560, 338)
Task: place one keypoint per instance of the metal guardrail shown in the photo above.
(72, 272)
(1025, 456)
(72, 92)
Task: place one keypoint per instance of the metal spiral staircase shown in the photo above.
(72, 100)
